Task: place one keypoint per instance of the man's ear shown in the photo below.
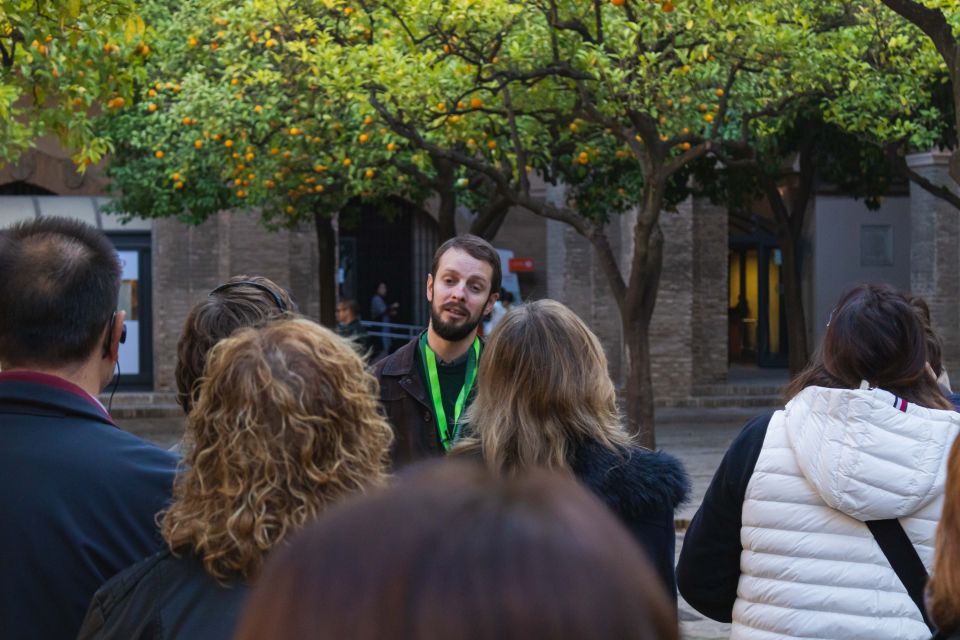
(489, 306)
(115, 332)
(429, 287)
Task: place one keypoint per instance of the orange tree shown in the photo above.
(254, 106)
(618, 100)
(60, 61)
(902, 90)
(241, 110)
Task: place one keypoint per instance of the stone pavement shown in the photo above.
(699, 437)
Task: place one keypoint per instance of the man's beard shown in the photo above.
(450, 331)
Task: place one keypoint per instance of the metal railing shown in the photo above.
(392, 330)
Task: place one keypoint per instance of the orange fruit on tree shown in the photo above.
(294, 131)
(178, 185)
(158, 154)
(191, 41)
(491, 144)
(249, 157)
(708, 117)
(151, 107)
(318, 188)
(274, 151)
(368, 120)
(667, 6)
(719, 93)
(369, 173)
(363, 138)
(583, 158)
(198, 144)
(346, 162)
(616, 3)
(228, 143)
(392, 146)
(476, 103)
(186, 120)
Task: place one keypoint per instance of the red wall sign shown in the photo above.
(520, 265)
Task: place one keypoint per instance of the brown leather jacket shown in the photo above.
(407, 408)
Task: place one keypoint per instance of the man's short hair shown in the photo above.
(351, 306)
(59, 285)
(477, 248)
(242, 301)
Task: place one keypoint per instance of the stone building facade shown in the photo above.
(689, 333)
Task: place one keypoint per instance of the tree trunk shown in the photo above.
(792, 294)
(327, 268)
(447, 214)
(639, 385)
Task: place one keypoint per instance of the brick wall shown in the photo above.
(189, 261)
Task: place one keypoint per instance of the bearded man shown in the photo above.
(426, 385)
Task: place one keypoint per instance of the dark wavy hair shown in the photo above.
(216, 317)
(874, 334)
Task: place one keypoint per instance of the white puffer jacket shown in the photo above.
(832, 459)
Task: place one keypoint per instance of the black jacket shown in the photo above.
(407, 408)
(78, 503)
(164, 597)
(643, 488)
(709, 567)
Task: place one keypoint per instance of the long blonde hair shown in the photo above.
(285, 423)
(542, 389)
(943, 589)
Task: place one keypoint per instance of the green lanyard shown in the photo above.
(430, 363)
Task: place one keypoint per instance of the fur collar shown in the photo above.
(633, 481)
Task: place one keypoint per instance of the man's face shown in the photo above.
(382, 290)
(459, 295)
(343, 314)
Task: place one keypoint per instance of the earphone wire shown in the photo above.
(116, 383)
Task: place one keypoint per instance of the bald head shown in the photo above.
(59, 288)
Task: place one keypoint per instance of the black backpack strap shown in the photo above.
(903, 558)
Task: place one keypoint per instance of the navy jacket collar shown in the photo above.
(43, 392)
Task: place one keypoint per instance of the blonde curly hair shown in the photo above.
(286, 423)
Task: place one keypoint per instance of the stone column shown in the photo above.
(710, 292)
(935, 252)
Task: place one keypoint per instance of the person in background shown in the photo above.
(285, 424)
(934, 350)
(455, 552)
(545, 400)
(793, 538)
(500, 308)
(242, 301)
(427, 383)
(381, 311)
(80, 495)
(349, 325)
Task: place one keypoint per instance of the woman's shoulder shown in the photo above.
(632, 479)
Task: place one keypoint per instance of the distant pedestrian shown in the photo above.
(545, 400)
(452, 552)
(349, 324)
(285, 424)
(500, 308)
(427, 384)
(80, 495)
(798, 527)
(382, 311)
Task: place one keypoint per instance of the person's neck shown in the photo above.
(85, 375)
(446, 350)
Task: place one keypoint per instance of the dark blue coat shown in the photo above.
(643, 488)
(78, 503)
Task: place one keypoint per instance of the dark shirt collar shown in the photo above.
(56, 382)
